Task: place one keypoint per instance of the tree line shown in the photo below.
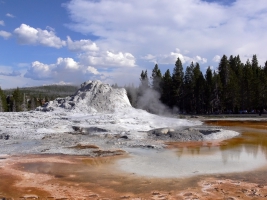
(24, 99)
(233, 87)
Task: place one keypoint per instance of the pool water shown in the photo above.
(246, 152)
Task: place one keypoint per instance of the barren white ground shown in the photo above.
(95, 105)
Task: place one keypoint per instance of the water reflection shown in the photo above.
(243, 153)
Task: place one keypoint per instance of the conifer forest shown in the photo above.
(234, 87)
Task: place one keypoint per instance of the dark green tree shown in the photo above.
(232, 97)
(246, 94)
(263, 91)
(156, 79)
(177, 83)
(199, 88)
(166, 96)
(217, 90)
(17, 100)
(256, 86)
(208, 91)
(188, 97)
(3, 105)
(223, 70)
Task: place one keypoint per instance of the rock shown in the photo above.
(4, 136)
(77, 128)
(208, 132)
(88, 130)
(171, 134)
(92, 97)
(164, 131)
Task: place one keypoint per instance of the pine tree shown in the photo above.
(263, 102)
(199, 84)
(208, 90)
(223, 70)
(232, 100)
(217, 90)
(166, 96)
(18, 99)
(188, 97)
(246, 87)
(33, 103)
(177, 83)
(224, 77)
(255, 83)
(144, 80)
(1, 106)
(24, 104)
(143, 87)
(14, 106)
(156, 79)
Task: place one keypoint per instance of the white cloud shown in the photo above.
(216, 58)
(2, 23)
(5, 34)
(65, 69)
(92, 70)
(31, 36)
(108, 58)
(201, 27)
(67, 63)
(199, 59)
(10, 15)
(172, 57)
(81, 45)
(39, 71)
(150, 58)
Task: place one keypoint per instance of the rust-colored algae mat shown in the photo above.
(82, 177)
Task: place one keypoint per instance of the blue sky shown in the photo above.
(52, 41)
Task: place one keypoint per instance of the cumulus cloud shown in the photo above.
(204, 28)
(2, 23)
(90, 54)
(39, 71)
(81, 45)
(5, 34)
(92, 70)
(172, 57)
(108, 58)
(65, 69)
(31, 36)
(216, 58)
(10, 15)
